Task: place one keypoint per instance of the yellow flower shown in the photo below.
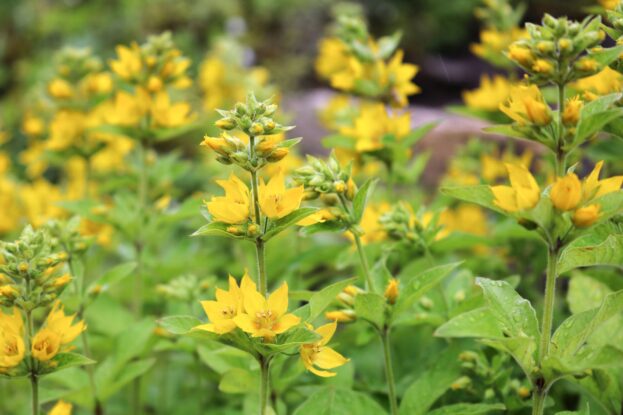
(228, 305)
(319, 355)
(60, 89)
(32, 125)
(523, 193)
(59, 330)
(391, 291)
(491, 93)
(45, 345)
(571, 113)
(234, 207)
(129, 63)
(526, 106)
(566, 193)
(587, 65)
(586, 216)
(61, 408)
(265, 317)
(8, 291)
(12, 348)
(605, 82)
(169, 115)
(373, 231)
(373, 124)
(609, 4)
(333, 57)
(592, 188)
(275, 200)
(321, 216)
(399, 76)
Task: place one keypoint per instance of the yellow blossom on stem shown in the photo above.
(59, 330)
(520, 54)
(265, 317)
(399, 76)
(275, 200)
(61, 408)
(12, 348)
(571, 113)
(167, 114)
(373, 124)
(566, 193)
(319, 355)
(391, 291)
(592, 187)
(129, 63)
(491, 93)
(234, 207)
(586, 216)
(527, 106)
(227, 306)
(60, 89)
(543, 67)
(523, 193)
(45, 345)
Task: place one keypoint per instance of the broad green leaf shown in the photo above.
(479, 323)
(361, 199)
(585, 293)
(115, 274)
(371, 307)
(238, 381)
(330, 226)
(468, 409)
(609, 252)
(179, 324)
(605, 56)
(320, 300)
(333, 400)
(430, 385)
(515, 314)
(522, 349)
(480, 195)
(293, 338)
(217, 229)
(588, 358)
(289, 220)
(67, 360)
(574, 332)
(132, 370)
(414, 288)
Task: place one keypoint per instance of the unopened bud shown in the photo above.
(256, 129)
(225, 123)
(391, 291)
(278, 154)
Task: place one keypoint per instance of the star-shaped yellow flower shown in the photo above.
(234, 207)
(523, 193)
(265, 317)
(275, 200)
(319, 355)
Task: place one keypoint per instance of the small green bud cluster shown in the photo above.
(325, 178)
(253, 117)
(559, 50)
(30, 275)
(185, 288)
(73, 64)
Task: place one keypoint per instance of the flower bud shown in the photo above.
(225, 123)
(351, 189)
(520, 54)
(256, 129)
(571, 114)
(523, 392)
(240, 108)
(587, 65)
(566, 193)
(22, 267)
(565, 44)
(8, 291)
(154, 84)
(253, 229)
(269, 125)
(341, 316)
(60, 89)
(586, 216)
(339, 186)
(278, 154)
(61, 281)
(461, 383)
(545, 46)
(542, 66)
(218, 144)
(234, 230)
(391, 291)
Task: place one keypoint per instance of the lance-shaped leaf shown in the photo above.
(361, 199)
(478, 323)
(179, 324)
(293, 338)
(480, 195)
(371, 307)
(66, 360)
(522, 349)
(468, 409)
(333, 400)
(320, 300)
(217, 229)
(289, 220)
(588, 358)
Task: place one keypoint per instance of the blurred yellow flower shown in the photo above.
(61, 408)
(491, 93)
(319, 355)
(12, 348)
(374, 124)
(566, 193)
(527, 106)
(398, 76)
(128, 64)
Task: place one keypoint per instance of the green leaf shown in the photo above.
(605, 56)
(514, 314)
(480, 195)
(179, 324)
(129, 372)
(432, 384)
(330, 226)
(574, 332)
(291, 142)
(66, 360)
(115, 274)
(507, 130)
(468, 409)
(361, 199)
(293, 338)
(588, 358)
(238, 381)
(479, 323)
(289, 220)
(417, 134)
(523, 350)
(320, 300)
(420, 284)
(339, 141)
(609, 252)
(333, 400)
(217, 229)
(371, 307)
(387, 45)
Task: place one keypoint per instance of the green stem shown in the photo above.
(34, 380)
(264, 384)
(259, 243)
(561, 156)
(389, 372)
(364, 262)
(540, 387)
(34, 383)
